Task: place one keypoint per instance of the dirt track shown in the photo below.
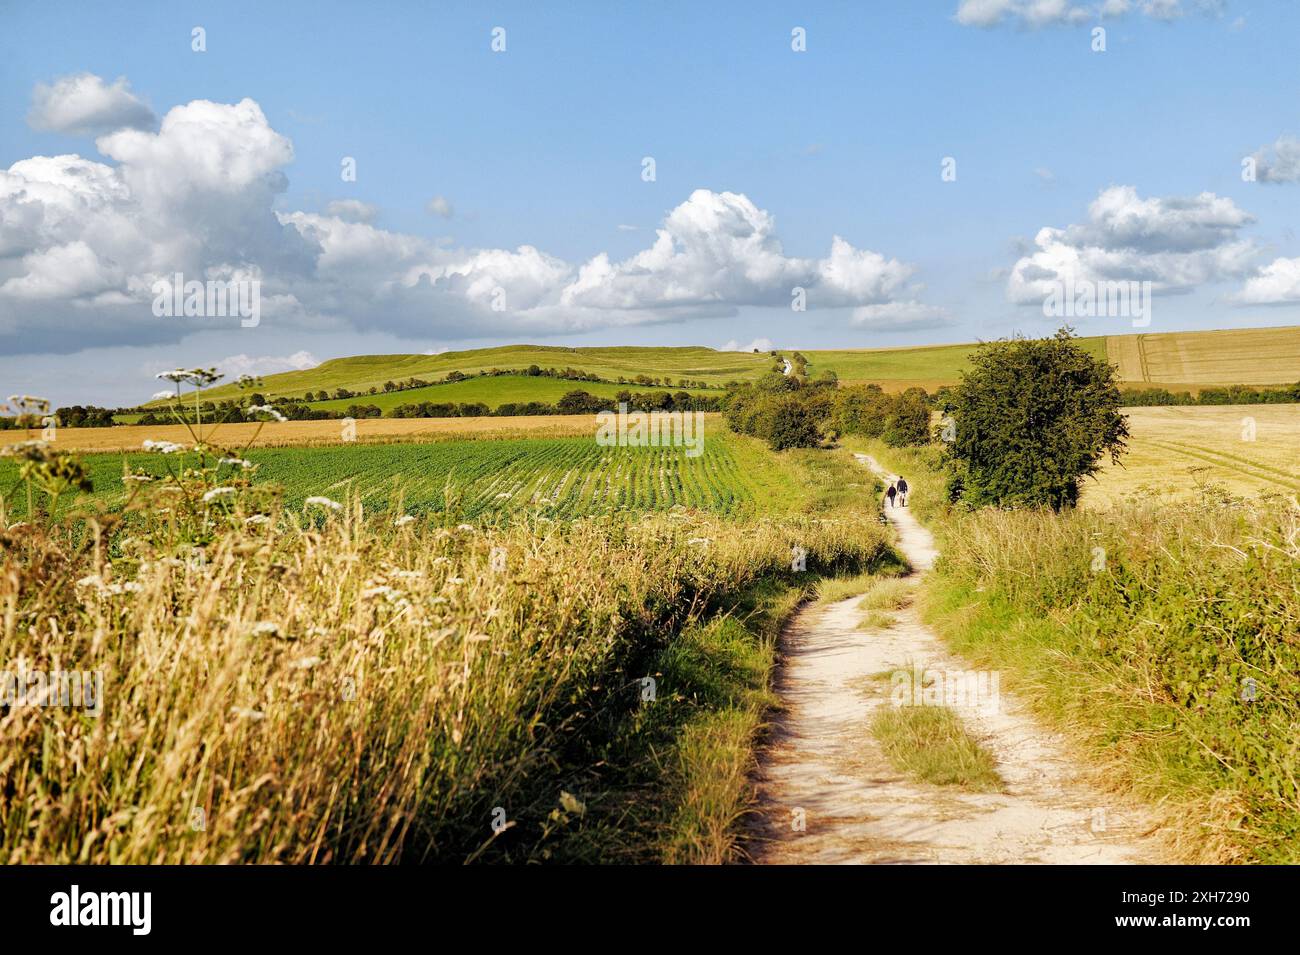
(824, 767)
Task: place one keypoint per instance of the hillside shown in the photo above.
(493, 392)
(362, 372)
(1175, 360)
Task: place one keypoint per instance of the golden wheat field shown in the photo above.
(278, 434)
(1249, 449)
(1194, 360)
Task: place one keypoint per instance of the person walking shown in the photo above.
(902, 491)
(891, 493)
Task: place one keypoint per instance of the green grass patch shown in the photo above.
(930, 744)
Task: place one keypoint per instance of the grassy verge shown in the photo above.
(1160, 639)
(930, 744)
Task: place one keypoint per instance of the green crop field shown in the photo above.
(557, 478)
(493, 392)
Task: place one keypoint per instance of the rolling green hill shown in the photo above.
(1181, 360)
(493, 392)
(360, 373)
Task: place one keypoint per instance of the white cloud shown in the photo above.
(439, 206)
(1176, 243)
(84, 104)
(900, 316)
(353, 210)
(88, 240)
(758, 344)
(1279, 163)
(1042, 13)
(235, 365)
(718, 250)
(1277, 283)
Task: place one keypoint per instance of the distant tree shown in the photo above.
(1032, 418)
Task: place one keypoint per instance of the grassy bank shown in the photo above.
(1161, 639)
(296, 682)
(345, 691)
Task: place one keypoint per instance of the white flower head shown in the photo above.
(263, 413)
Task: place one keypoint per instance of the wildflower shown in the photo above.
(129, 587)
(164, 447)
(217, 493)
(404, 520)
(465, 527)
(238, 463)
(199, 377)
(322, 502)
(32, 450)
(163, 395)
(455, 580)
(265, 628)
(257, 519)
(257, 411)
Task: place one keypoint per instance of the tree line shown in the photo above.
(1029, 421)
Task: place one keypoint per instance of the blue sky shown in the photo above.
(541, 146)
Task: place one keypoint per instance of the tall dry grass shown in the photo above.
(1165, 638)
(333, 688)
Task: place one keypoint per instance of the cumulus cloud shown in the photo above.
(1279, 163)
(83, 243)
(353, 210)
(258, 365)
(718, 250)
(1176, 243)
(83, 104)
(901, 316)
(1042, 13)
(439, 206)
(758, 344)
(1277, 283)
